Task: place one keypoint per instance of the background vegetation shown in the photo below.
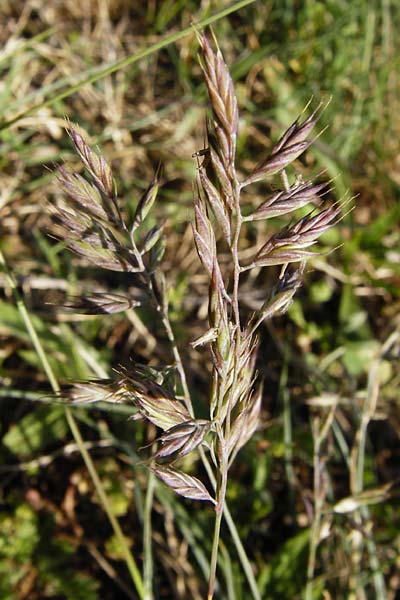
(332, 360)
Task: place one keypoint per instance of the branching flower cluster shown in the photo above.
(92, 225)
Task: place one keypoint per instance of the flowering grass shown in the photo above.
(138, 283)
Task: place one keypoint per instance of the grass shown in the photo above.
(143, 102)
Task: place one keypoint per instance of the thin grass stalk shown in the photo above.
(28, 43)
(221, 493)
(228, 569)
(178, 360)
(44, 460)
(316, 522)
(287, 428)
(244, 559)
(357, 466)
(148, 566)
(130, 561)
(163, 311)
(320, 433)
(110, 571)
(242, 554)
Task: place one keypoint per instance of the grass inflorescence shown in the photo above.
(219, 295)
(92, 225)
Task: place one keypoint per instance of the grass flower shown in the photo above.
(91, 223)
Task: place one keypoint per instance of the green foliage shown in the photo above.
(22, 548)
(36, 431)
(285, 575)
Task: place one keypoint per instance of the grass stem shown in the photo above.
(148, 570)
(221, 493)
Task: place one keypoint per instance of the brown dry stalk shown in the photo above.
(92, 225)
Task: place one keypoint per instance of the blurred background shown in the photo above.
(332, 359)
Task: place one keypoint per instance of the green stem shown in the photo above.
(147, 541)
(287, 430)
(133, 570)
(244, 559)
(315, 529)
(214, 555)
(221, 493)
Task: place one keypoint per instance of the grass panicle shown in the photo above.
(91, 222)
(192, 357)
